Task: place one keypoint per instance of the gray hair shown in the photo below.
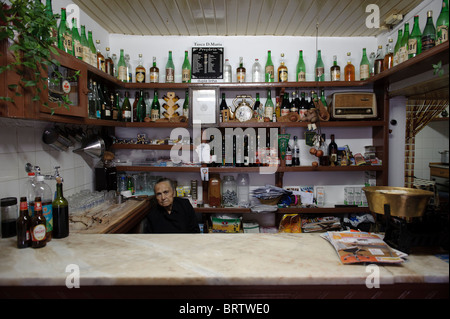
(165, 179)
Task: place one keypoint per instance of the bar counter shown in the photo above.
(207, 266)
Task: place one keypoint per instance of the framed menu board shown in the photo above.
(207, 64)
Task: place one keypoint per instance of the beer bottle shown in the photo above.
(60, 209)
(23, 225)
(38, 227)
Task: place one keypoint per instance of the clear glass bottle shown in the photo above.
(269, 73)
(257, 75)
(243, 190)
(227, 72)
(240, 71)
(301, 68)
(364, 67)
(186, 69)
(415, 40)
(319, 69)
(129, 70)
(349, 70)
(442, 24)
(109, 64)
(170, 69)
(429, 33)
(335, 70)
(229, 192)
(282, 70)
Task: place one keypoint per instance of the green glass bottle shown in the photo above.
(397, 47)
(403, 52)
(64, 34)
(156, 107)
(122, 68)
(170, 69)
(186, 69)
(429, 33)
(76, 39)
(301, 68)
(49, 13)
(269, 73)
(126, 108)
(93, 50)
(319, 68)
(86, 57)
(60, 211)
(140, 108)
(364, 67)
(186, 105)
(117, 108)
(415, 40)
(268, 107)
(442, 24)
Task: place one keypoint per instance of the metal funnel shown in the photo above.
(94, 147)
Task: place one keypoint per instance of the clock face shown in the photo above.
(244, 113)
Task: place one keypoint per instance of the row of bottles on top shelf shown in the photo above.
(105, 103)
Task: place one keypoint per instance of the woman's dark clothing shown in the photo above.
(182, 219)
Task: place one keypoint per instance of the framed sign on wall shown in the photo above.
(207, 64)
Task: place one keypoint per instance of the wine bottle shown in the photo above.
(403, 51)
(224, 111)
(93, 50)
(186, 104)
(415, 40)
(126, 108)
(332, 151)
(301, 68)
(100, 58)
(64, 35)
(76, 40)
(186, 69)
(268, 107)
(429, 33)
(319, 68)
(122, 68)
(285, 108)
(86, 57)
(442, 24)
(397, 47)
(60, 208)
(156, 107)
(269, 69)
(364, 67)
(170, 69)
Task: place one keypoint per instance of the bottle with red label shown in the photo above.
(23, 225)
(38, 227)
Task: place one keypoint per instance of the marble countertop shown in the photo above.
(199, 259)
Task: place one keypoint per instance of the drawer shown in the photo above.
(440, 172)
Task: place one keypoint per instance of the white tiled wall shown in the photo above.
(21, 143)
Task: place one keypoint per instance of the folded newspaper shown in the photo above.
(361, 247)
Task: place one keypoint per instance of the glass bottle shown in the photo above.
(324, 160)
(148, 106)
(60, 208)
(335, 70)
(64, 35)
(140, 71)
(224, 111)
(364, 67)
(97, 102)
(429, 33)
(44, 191)
(240, 71)
(379, 60)
(397, 47)
(91, 101)
(170, 69)
(49, 13)
(227, 72)
(268, 107)
(323, 99)
(134, 113)
(243, 187)
(303, 107)
(129, 70)
(93, 50)
(100, 58)
(332, 151)
(282, 70)
(229, 192)
(156, 107)
(269, 73)
(389, 56)
(349, 70)
(288, 155)
(214, 191)
(117, 112)
(109, 64)
(186, 69)
(86, 57)
(319, 68)
(403, 51)
(154, 72)
(23, 225)
(38, 228)
(301, 68)
(256, 108)
(257, 75)
(126, 108)
(122, 67)
(186, 104)
(295, 153)
(140, 108)
(415, 40)
(442, 24)
(76, 39)
(285, 107)
(295, 102)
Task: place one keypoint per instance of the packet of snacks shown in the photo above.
(290, 223)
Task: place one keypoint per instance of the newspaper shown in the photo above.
(320, 224)
(361, 247)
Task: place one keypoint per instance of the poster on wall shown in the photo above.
(207, 64)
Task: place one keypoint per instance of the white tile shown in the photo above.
(25, 140)
(8, 167)
(24, 158)
(8, 139)
(9, 189)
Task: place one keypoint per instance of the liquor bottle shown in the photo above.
(170, 69)
(246, 156)
(295, 103)
(288, 156)
(156, 107)
(403, 51)
(129, 70)
(23, 225)
(277, 110)
(379, 60)
(108, 105)
(224, 111)
(140, 71)
(303, 108)
(86, 57)
(397, 47)
(301, 68)
(97, 105)
(186, 105)
(212, 155)
(240, 71)
(44, 191)
(102, 102)
(49, 14)
(154, 72)
(122, 68)
(319, 69)
(335, 70)
(364, 67)
(64, 35)
(415, 40)
(93, 50)
(126, 108)
(256, 108)
(285, 107)
(109, 64)
(442, 24)
(91, 101)
(332, 151)
(100, 58)
(349, 70)
(227, 72)
(282, 70)
(60, 208)
(268, 107)
(186, 69)
(130, 184)
(257, 75)
(324, 159)
(269, 73)
(296, 153)
(134, 113)
(323, 99)
(389, 56)
(140, 108)
(429, 33)
(116, 114)
(148, 107)
(38, 229)
(76, 40)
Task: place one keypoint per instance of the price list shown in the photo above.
(207, 63)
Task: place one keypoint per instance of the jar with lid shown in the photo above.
(214, 198)
(229, 192)
(9, 214)
(243, 189)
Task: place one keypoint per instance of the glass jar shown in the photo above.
(243, 189)
(9, 214)
(229, 192)
(214, 190)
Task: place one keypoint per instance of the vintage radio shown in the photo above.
(353, 105)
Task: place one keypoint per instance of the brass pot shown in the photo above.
(404, 202)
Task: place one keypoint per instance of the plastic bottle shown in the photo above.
(227, 72)
(29, 192)
(44, 191)
(257, 75)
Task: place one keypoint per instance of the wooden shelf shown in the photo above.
(355, 123)
(156, 147)
(289, 210)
